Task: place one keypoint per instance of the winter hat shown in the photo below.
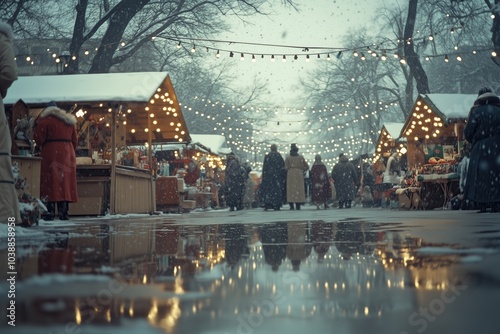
(484, 90)
(52, 104)
(294, 147)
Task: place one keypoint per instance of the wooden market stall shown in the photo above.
(144, 109)
(389, 139)
(434, 133)
(200, 163)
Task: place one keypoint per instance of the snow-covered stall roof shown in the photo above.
(388, 139)
(451, 106)
(105, 87)
(393, 128)
(432, 113)
(214, 143)
(149, 96)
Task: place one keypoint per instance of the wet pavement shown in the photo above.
(341, 271)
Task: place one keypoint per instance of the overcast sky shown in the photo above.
(319, 23)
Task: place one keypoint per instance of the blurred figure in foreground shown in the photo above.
(483, 133)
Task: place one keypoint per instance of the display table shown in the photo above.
(30, 167)
(133, 190)
(448, 183)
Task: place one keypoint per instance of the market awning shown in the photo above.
(145, 102)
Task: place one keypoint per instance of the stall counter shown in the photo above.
(133, 190)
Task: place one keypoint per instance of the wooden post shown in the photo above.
(150, 161)
(112, 195)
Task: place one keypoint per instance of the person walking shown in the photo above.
(55, 134)
(9, 202)
(295, 166)
(345, 180)
(235, 183)
(249, 196)
(321, 192)
(462, 169)
(483, 133)
(272, 186)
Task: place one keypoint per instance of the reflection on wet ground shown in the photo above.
(290, 276)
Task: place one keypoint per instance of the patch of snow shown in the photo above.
(21, 232)
(128, 326)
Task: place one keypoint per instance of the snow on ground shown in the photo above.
(21, 232)
(126, 326)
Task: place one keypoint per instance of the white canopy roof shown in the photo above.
(105, 87)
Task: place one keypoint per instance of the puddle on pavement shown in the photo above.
(228, 278)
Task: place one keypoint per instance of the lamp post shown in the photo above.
(62, 62)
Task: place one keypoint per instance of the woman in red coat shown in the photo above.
(55, 134)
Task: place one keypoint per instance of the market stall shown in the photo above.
(389, 140)
(144, 110)
(434, 133)
(200, 163)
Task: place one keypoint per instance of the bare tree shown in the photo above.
(416, 69)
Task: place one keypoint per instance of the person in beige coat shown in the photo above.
(9, 205)
(295, 166)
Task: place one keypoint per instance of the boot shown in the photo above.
(348, 205)
(51, 211)
(292, 207)
(62, 210)
(297, 205)
(495, 207)
(341, 204)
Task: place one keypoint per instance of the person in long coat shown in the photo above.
(272, 186)
(249, 196)
(274, 238)
(235, 183)
(321, 192)
(55, 134)
(9, 203)
(295, 166)
(483, 133)
(345, 180)
(299, 246)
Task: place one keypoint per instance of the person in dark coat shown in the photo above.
(272, 187)
(235, 183)
(321, 192)
(274, 238)
(322, 238)
(483, 133)
(55, 134)
(345, 180)
(235, 243)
